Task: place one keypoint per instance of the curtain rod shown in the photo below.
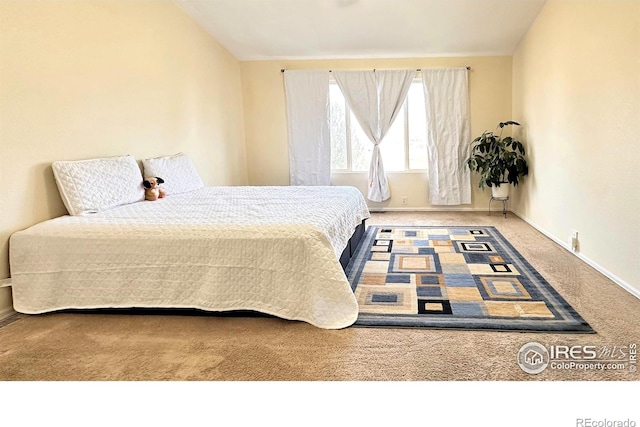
(282, 70)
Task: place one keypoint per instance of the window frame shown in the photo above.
(347, 112)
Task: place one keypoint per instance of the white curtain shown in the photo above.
(307, 98)
(448, 128)
(375, 98)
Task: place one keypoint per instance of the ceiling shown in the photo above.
(322, 29)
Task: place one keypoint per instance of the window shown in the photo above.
(404, 148)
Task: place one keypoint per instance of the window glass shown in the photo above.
(392, 146)
(407, 133)
(417, 127)
(361, 147)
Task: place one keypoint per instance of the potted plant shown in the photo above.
(498, 160)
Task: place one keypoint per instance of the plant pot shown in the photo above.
(501, 191)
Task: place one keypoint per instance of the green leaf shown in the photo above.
(498, 160)
(510, 122)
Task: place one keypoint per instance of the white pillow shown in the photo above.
(177, 171)
(90, 186)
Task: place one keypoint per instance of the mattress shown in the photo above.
(270, 249)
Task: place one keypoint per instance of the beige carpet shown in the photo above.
(162, 347)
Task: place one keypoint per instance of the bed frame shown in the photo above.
(352, 245)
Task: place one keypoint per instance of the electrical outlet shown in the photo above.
(573, 241)
(404, 200)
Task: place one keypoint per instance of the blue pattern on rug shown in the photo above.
(453, 278)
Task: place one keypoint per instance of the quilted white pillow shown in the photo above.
(177, 171)
(90, 186)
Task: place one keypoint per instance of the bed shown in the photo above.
(275, 250)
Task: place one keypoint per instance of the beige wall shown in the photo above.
(266, 122)
(577, 90)
(88, 79)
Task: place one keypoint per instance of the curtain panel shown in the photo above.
(375, 98)
(448, 129)
(307, 100)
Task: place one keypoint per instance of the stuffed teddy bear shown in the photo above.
(152, 188)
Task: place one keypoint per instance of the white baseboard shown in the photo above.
(6, 312)
(618, 281)
(427, 209)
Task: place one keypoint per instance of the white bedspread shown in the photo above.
(269, 249)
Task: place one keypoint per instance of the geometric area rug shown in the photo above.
(463, 277)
